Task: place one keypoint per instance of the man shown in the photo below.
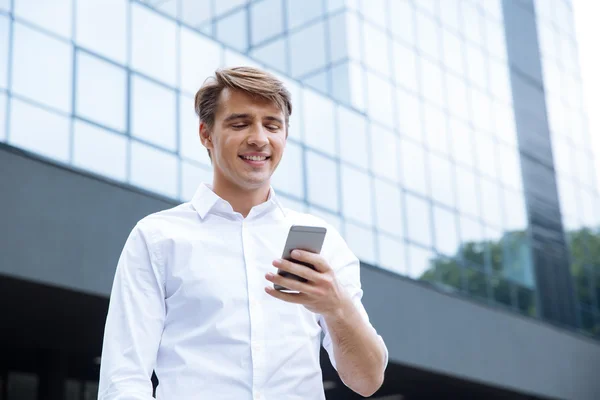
(193, 295)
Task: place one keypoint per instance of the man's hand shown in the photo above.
(321, 294)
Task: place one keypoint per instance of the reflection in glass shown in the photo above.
(100, 151)
(356, 195)
(477, 282)
(392, 254)
(442, 184)
(472, 242)
(38, 130)
(352, 129)
(362, 242)
(388, 202)
(288, 176)
(419, 223)
(101, 91)
(414, 174)
(319, 124)
(153, 51)
(101, 27)
(322, 179)
(153, 169)
(50, 85)
(384, 153)
(153, 113)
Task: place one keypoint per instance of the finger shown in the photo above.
(314, 259)
(289, 283)
(297, 269)
(296, 298)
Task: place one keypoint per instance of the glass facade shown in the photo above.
(573, 157)
(403, 134)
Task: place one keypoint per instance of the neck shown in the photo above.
(241, 199)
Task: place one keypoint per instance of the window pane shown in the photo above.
(5, 5)
(472, 238)
(330, 218)
(515, 213)
(233, 30)
(101, 27)
(388, 200)
(472, 23)
(481, 111)
(100, 151)
(352, 128)
(392, 254)
(458, 100)
(261, 12)
(299, 13)
(25, 123)
(4, 30)
(432, 82)
(362, 242)
(500, 85)
(476, 67)
(496, 42)
(453, 52)
(436, 129)
(403, 17)
(288, 176)
(153, 169)
(153, 51)
(428, 33)
(486, 155)
(450, 14)
(376, 53)
(319, 126)
(490, 202)
(200, 57)
(409, 115)
(466, 186)
(322, 181)
(505, 128)
(52, 15)
(446, 233)
(101, 91)
(298, 206)
(273, 54)
(462, 144)
(317, 81)
(307, 48)
(153, 113)
(511, 167)
(51, 84)
(414, 176)
(192, 176)
(380, 100)
(419, 261)
(375, 11)
(384, 153)
(419, 221)
(338, 37)
(406, 67)
(442, 181)
(356, 195)
(190, 145)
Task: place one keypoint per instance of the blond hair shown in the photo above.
(252, 81)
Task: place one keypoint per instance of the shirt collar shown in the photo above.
(205, 201)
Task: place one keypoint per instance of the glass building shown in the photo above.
(445, 139)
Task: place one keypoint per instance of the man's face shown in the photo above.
(247, 140)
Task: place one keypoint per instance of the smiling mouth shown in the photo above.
(255, 158)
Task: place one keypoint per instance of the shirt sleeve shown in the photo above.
(347, 270)
(134, 323)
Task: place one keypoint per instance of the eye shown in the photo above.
(239, 126)
(272, 127)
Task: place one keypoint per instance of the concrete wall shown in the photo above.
(65, 228)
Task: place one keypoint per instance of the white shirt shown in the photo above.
(188, 301)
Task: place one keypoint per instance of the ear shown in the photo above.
(205, 137)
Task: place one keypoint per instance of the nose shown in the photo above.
(258, 136)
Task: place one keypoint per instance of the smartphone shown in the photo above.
(309, 238)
